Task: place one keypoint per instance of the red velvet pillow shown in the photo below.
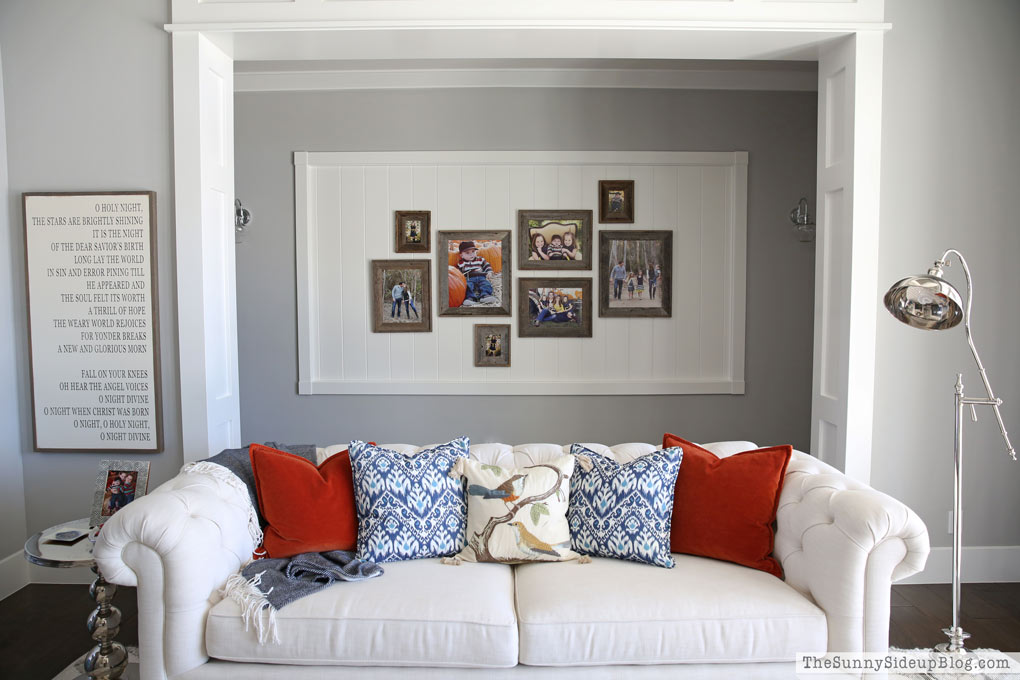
(307, 508)
(725, 507)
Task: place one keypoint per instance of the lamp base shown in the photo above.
(955, 644)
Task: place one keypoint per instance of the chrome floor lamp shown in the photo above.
(929, 302)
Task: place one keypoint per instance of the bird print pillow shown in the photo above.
(518, 514)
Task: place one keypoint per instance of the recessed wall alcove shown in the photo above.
(844, 39)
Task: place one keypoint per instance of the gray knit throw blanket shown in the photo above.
(265, 586)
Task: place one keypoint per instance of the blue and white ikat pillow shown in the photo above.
(623, 510)
(408, 506)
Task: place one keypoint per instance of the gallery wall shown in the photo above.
(87, 89)
(776, 129)
(950, 174)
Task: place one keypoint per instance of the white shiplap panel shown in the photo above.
(497, 218)
(378, 239)
(642, 335)
(424, 185)
(664, 216)
(522, 350)
(473, 212)
(547, 191)
(714, 271)
(351, 199)
(686, 283)
(617, 330)
(447, 215)
(401, 186)
(593, 351)
(353, 279)
(570, 196)
(327, 220)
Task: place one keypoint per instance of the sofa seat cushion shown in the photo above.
(419, 613)
(703, 610)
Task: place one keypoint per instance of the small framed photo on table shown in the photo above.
(492, 345)
(398, 291)
(118, 483)
(476, 282)
(554, 308)
(616, 201)
(554, 239)
(413, 231)
(635, 273)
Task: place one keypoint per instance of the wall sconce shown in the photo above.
(804, 224)
(242, 216)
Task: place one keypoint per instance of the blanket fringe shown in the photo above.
(224, 475)
(584, 462)
(256, 610)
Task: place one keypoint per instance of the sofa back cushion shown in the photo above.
(306, 508)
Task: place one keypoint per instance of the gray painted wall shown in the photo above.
(87, 88)
(950, 175)
(12, 495)
(778, 129)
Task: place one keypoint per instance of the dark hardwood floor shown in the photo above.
(42, 627)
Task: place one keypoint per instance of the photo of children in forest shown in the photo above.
(554, 239)
(401, 296)
(555, 308)
(475, 274)
(635, 273)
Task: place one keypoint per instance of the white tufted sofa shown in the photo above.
(841, 545)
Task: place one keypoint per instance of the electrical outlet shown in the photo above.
(950, 527)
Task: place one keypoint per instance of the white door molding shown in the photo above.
(846, 256)
(843, 392)
(206, 288)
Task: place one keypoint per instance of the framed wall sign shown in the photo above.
(90, 260)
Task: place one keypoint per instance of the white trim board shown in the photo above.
(13, 574)
(389, 79)
(344, 219)
(979, 564)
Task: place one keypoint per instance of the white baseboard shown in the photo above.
(979, 564)
(13, 574)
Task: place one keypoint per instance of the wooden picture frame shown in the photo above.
(533, 294)
(118, 483)
(387, 314)
(616, 201)
(547, 224)
(412, 231)
(491, 296)
(93, 309)
(492, 345)
(649, 249)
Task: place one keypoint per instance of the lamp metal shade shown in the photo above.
(928, 302)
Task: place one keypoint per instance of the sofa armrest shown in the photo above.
(178, 544)
(842, 544)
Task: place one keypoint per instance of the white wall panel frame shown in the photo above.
(204, 200)
(484, 190)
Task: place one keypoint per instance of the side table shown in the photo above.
(108, 659)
